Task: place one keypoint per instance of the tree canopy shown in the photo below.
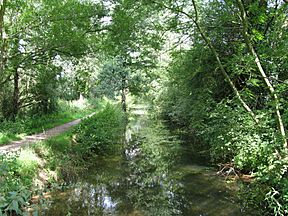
(216, 69)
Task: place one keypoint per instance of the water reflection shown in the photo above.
(151, 178)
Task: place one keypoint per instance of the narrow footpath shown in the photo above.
(31, 139)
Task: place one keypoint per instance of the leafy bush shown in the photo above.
(233, 137)
(17, 173)
(254, 149)
(101, 133)
(21, 173)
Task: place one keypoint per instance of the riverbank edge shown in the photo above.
(43, 169)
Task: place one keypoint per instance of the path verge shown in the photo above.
(31, 139)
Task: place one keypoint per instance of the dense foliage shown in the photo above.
(212, 83)
(101, 133)
(15, 190)
(216, 70)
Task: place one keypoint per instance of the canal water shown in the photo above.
(153, 176)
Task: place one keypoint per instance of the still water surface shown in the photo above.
(154, 176)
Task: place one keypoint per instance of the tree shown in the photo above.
(135, 48)
(263, 74)
(249, 38)
(39, 33)
(2, 34)
(110, 79)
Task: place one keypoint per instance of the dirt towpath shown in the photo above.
(28, 140)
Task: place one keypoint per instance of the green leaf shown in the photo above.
(257, 35)
(255, 82)
(14, 205)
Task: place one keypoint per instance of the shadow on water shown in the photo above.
(153, 177)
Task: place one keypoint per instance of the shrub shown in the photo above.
(253, 149)
(101, 133)
(17, 173)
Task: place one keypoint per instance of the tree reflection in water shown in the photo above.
(151, 178)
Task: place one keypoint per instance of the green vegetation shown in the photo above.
(214, 70)
(102, 132)
(33, 169)
(18, 171)
(220, 96)
(15, 130)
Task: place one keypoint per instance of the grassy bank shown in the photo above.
(10, 131)
(46, 165)
(32, 171)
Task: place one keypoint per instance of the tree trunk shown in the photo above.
(124, 107)
(15, 102)
(2, 34)
(262, 72)
(216, 55)
(123, 98)
(222, 69)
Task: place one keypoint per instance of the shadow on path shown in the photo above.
(16, 145)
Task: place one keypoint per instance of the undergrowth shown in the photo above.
(68, 111)
(35, 170)
(101, 133)
(49, 164)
